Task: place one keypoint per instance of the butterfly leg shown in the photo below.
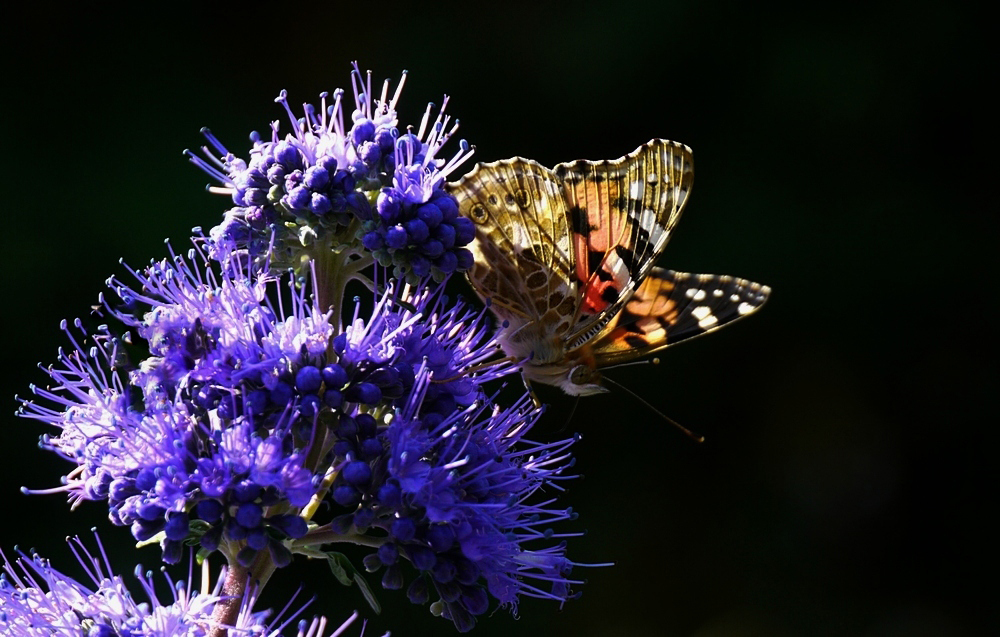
(531, 392)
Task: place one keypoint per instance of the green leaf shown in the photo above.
(347, 575)
(341, 567)
(368, 593)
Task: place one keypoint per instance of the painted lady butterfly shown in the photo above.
(565, 258)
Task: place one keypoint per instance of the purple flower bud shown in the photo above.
(447, 262)
(255, 197)
(246, 556)
(363, 131)
(372, 241)
(440, 537)
(388, 554)
(432, 248)
(249, 515)
(309, 405)
(422, 557)
(421, 266)
(211, 539)
(417, 231)
(395, 237)
(276, 174)
(209, 510)
(403, 529)
(369, 152)
(357, 473)
(445, 233)
(367, 425)
(177, 526)
(385, 137)
(389, 495)
(316, 178)
(308, 379)
(475, 600)
(298, 198)
(173, 550)
(280, 554)
(465, 259)
(145, 480)
(287, 155)
(334, 376)
(392, 579)
(149, 511)
(443, 570)
(320, 204)
(346, 495)
(465, 230)
(417, 592)
(257, 539)
(371, 448)
(256, 401)
(389, 204)
(429, 214)
(333, 398)
(364, 393)
(291, 525)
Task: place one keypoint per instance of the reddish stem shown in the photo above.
(228, 609)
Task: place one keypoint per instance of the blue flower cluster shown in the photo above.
(37, 600)
(327, 184)
(214, 425)
(452, 483)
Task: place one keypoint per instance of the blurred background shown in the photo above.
(842, 157)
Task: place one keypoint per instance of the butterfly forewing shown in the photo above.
(670, 307)
(523, 255)
(621, 213)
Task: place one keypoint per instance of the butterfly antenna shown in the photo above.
(572, 412)
(652, 361)
(688, 432)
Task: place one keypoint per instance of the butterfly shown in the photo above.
(565, 259)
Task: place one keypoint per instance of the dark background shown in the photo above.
(842, 158)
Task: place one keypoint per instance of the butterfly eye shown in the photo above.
(580, 375)
(478, 213)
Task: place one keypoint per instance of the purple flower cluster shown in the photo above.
(328, 184)
(37, 600)
(210, 426)
(453, 481)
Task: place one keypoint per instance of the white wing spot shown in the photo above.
(695, 294)
(734, 298)
(635, 189)
(652, 178)
(745, 308)
(705, 317)
(716, 292)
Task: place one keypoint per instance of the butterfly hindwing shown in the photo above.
(670, 307)
(621, 213)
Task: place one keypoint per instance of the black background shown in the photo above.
(843, 157)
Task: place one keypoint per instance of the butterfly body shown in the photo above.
(565, 256)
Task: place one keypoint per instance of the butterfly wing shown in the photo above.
(523, 252)
(621, 213)
(670, 307)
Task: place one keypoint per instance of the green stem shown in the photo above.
(318, 537)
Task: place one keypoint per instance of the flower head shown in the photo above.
(452, 480)
(332, 181)
(214, 425)
(37, 600)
